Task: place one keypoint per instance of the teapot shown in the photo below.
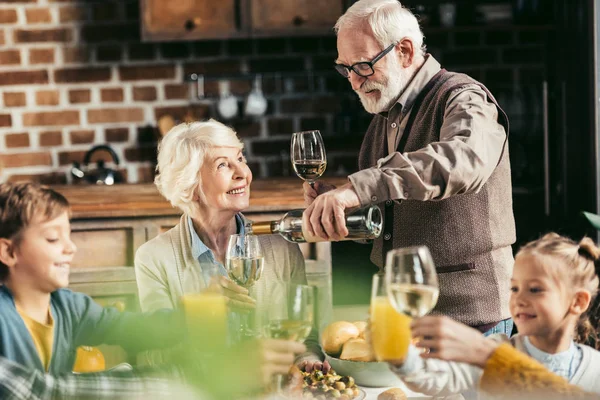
(101, 175)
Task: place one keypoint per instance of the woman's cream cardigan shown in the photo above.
(165, 270)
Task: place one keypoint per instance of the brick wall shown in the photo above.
(75, 73)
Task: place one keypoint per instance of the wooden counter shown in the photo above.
(109, 223)
(143, 200)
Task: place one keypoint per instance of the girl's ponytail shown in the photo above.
(588, 327)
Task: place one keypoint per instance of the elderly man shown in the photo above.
(435, 158)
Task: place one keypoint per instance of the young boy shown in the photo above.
(41, 322)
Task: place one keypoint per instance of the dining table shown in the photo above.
(371, 393)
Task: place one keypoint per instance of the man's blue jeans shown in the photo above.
(504, 327)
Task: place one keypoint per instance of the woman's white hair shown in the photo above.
(181, 154)
(389, 21)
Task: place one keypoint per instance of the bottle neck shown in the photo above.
(264, 227)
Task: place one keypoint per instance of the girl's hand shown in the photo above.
(237, 296)
(446, 339)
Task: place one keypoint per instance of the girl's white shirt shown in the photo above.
(451, 378)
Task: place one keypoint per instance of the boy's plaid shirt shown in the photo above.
(18, 382)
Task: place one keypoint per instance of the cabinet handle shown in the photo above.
(299, 21)
(546, 145)
(191, 24)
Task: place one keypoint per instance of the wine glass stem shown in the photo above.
(312, 184)
(247, 325)
(277, 382)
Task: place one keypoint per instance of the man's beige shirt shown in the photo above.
(470, 145)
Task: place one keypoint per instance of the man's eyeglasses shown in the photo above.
(363, 68)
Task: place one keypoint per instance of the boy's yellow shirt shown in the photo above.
(42, 335)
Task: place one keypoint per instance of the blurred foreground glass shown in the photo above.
(411, 280)
(289, 315)
(390, 334)
(206, 320)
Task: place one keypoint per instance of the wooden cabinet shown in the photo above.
(209, 19)
(294, 17)
(190, 19)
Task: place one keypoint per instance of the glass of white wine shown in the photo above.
(290, 312)
(412, 287)
(308, 155)
(289, 315)
(244, 262)
(411, 280)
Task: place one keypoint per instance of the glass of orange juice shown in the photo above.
(206, 319)
(390, 334)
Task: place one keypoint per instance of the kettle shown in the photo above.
(101, 175)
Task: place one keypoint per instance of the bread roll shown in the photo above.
(362, 327)
(357, 350)
(392, 394)
(336, 334)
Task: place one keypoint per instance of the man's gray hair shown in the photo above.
(389, 20)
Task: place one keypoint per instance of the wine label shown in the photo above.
(262, 228)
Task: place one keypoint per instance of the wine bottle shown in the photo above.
(363, 223)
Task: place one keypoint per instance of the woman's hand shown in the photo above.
(237, 296)
(446, 339)
(310, 193)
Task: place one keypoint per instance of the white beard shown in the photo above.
(389, 89)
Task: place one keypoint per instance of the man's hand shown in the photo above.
(276, 356)
(446, 339)
(237, 296)
(325, 217)
(310, 193)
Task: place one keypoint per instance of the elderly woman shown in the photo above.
(202, 171)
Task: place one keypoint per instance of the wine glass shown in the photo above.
(308, 155)
(289, 315)
(411, 280)
(244, 264)
(290, 312)
(412, 287)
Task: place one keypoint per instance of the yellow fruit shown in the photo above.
(89, 359)
(336, 334)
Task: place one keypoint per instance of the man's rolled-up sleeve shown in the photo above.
(470, 146)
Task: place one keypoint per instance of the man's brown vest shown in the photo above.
(469, 234)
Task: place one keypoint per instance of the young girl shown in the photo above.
(554, 305)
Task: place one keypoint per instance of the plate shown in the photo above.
(365, 373)
(361, 395)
